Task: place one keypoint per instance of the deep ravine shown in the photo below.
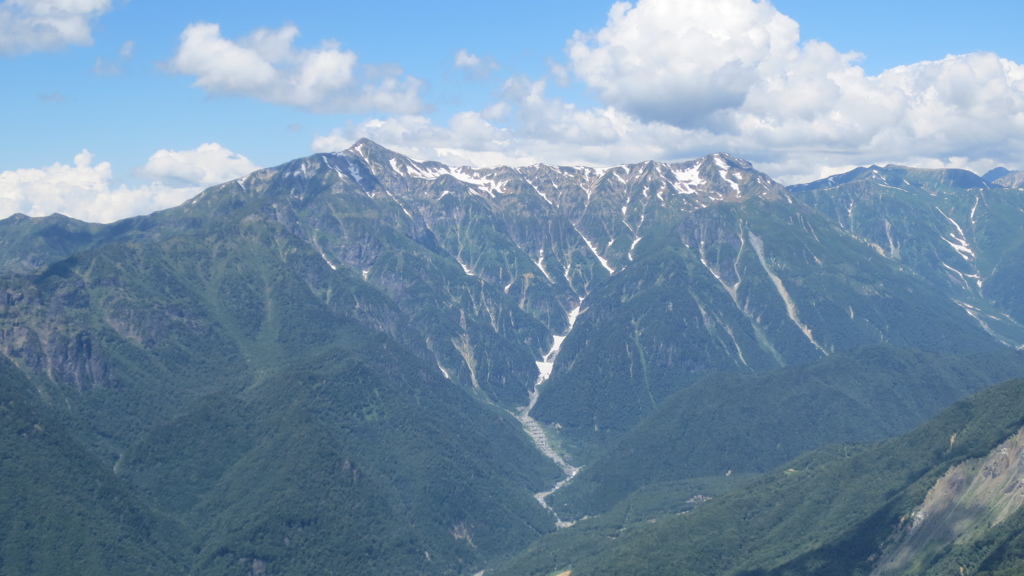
(534, 429)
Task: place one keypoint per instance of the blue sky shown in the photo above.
(112, 108)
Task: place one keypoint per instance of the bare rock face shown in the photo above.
(969, 500)
(1011, 179)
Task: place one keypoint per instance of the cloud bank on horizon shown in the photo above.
(681, 78)
(672, 80)
(90, 192)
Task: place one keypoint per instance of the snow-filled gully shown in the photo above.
(534, 429)
(791, 310)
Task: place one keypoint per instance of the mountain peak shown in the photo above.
(366, 148)
(995, 174)
(365, 143)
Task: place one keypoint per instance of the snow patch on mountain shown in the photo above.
(593, 248)
(723, 171)
(689, 178)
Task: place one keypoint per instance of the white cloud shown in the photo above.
(88, 192)
(474, 65)
(541, 130)
(738, 70)
(45, 25)
(265, 65)
(682, 79)
(206, 165)
(681, 62)
(559, 72)
(466, 60)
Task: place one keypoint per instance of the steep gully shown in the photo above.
(534, 429)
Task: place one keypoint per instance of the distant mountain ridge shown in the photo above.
(752, 277)
(378, 324)
(953, 228)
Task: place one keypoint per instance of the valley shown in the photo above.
(536, 431)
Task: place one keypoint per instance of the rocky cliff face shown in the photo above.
(1011, 179)
(971, 499)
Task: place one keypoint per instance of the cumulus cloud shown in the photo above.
(738, 69)
(681, 62)
(539, 129)
(682, 79)
(46, 25)
(265, 65)
(208, 164)
(88, 191)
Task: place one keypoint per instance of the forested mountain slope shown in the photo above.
(733, 423)
(951, 227)
(256, 397)
(62, 510)
(326, 366)
(841, 510)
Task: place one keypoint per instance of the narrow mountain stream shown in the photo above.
(534, 429)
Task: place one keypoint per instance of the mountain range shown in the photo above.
(359, 363)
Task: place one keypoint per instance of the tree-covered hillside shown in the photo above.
(62, 511)
(833, 511)
(250, 394)
(358, 363)
(734, 423)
